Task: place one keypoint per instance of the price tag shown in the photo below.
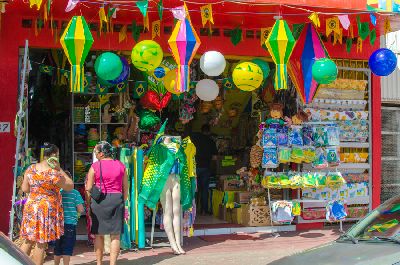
(5, 127)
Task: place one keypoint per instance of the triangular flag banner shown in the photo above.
(122, 34)
(264, 35)
(363, 30)
(228, 84)
(140, 89)
(155, 29)
(121, 87)
(146, 23)
(349, 43)
(344, 21)
(338, 37)
(351, 32)
(359, 45)
(387, 27)
(46, 69)
(206, 14)
(101, 89)
(297, 28)
(71, 5)
(160, 9)
(86, 82)
(143, 5)
(373, 19)
(332, 25)
(102, 18)
(135, 31)
(111, 12)
(179, 13)
(236, 36)
(315, 19)
(372, 37)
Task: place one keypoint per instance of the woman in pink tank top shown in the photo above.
(107, 213)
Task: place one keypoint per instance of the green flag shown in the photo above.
(364, 31)
(227, 83)
(121, 87)
(349, 43)
(236, 36)
(372, 37)
(135, 31)
(139, 89)
(46, 69)
(297, 28)
(160, 8)
(143, 5)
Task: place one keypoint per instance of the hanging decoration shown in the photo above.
(324, 71)
(135, 31)
(338, 37)
(207, 15)
(143, 6)
(309, 48)
(359, 44)
(140, 89)
(184, 43)
(382, 62)
(76, 42)
(373, 19)
(264, 35)
(160, 9)
(363, 28)
(264, 67)
(344, 21)
(349, 43)
(280, 45)
(108, 66)
(37, 3)
(148, 119)
(236, 36)
(372, 37)
(207, 90)
(155, 101)
(212, 63)
(332, 25)
(155, 29)
(122, 35)
(170, 81)
(297, 29)
(247, 76)
(147, 55)
(159, 72)
(71, 5)
(227, 83)
(315, 19)
(102, 19)
(126, 70)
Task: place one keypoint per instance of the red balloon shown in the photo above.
(154, 101)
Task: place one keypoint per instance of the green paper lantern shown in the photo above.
(108, 66)
(324, 71)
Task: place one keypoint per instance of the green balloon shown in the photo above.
(264, 67)
(148, 119)
(324, 71)
(108, 66)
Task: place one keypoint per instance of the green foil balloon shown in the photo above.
(148, 119)
(324, 71)
(108, 66)
(264, 67)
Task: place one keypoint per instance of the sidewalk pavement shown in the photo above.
(246, 249)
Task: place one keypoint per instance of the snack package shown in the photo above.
(320, 136)
(284, 154)
(309, 154)
(297, 155)
(296, 135)
(270, 158)
(321, 159)
(307, 135)
(269, 138)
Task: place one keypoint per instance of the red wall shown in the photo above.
(12, 36)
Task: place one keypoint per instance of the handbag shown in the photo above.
(96, 192)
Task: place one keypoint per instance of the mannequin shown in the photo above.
(171, 203)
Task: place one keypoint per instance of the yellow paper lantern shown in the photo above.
(247, 76)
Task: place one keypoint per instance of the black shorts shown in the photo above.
(65, 245)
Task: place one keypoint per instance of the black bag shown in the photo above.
(96, 192)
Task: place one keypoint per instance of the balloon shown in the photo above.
(207, 89)
(126, 71)
(147, 55)
(212, 63)
(382, 62)
(169, 82)
(148, 119)
(159, 72)
(108, 66)
(247, 76)
(152, 100)
(264, 67)
(324, 71)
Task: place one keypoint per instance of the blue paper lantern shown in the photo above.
(382, 62)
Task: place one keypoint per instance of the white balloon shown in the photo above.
(212, 63)
(207, 89)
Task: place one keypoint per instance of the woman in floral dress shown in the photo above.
(43, 217)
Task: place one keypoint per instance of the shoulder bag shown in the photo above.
(96, 192)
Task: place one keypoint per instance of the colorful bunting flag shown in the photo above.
(227, 83)
(349, 43)
(297, 28)
(123, 34)
(315, 19)
(363, 30)
(155, 29)
(140, 89)
(344, 21)
(236, 36)
(102, 18)
(373, 19)
(121, 87)
(46, 69)
(160, 9)
(332, 25)
(206, 14)
(146, 23)
(372, 37)
(143, 5)
(359, 45)
(338, 37)
(135, 31)
(351, 32)
(264, 35)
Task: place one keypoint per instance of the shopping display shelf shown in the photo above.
(354, 145)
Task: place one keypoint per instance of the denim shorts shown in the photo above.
(65, 245)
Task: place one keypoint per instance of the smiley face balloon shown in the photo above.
(147, 55)
(247, 76)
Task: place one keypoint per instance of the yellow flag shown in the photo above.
(102, 18)
(155, 29)
(315, 19)
(45, 12)
(122, 34)
(206, 14)
(359, 44)
(387, 27)
(146, 23)
(332, 25)
(264, 34)
(351, 32)
(338, 37)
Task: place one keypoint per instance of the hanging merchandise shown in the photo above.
(207, 89)
(155, 101)
(321, 161)
(147, 55)
(324, 71)
(108, 66)
(256, 154)
(382, 62)
(270, 158)
(187, 108)
(280, 45)
(212, 63)
(335, 211)
(282, 212)
(148, 120)
(76, 42)
(184, 43)
(247, 76)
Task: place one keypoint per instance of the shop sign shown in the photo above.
(5, 127)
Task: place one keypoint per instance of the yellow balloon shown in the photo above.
(147, 55)
(247, 76)
(169, 82)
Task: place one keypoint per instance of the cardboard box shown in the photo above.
(227, 165)
(243, 197)
(255, 215)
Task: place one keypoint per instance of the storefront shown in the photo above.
(339, 105)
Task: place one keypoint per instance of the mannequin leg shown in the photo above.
(166, 201)
(176, 204)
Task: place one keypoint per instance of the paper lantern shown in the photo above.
(247, 76)
(126, 71)
(382, 62)
(147, 55)
(76, 42)
(212, 63)
(308, 48)
(184, 43)
(108, 66)
(207, 89)
(264, 67)
(324, 71)
(280, 43)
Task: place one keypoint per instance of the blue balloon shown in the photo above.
(126, 71)
(382, 62)
(159, 72)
